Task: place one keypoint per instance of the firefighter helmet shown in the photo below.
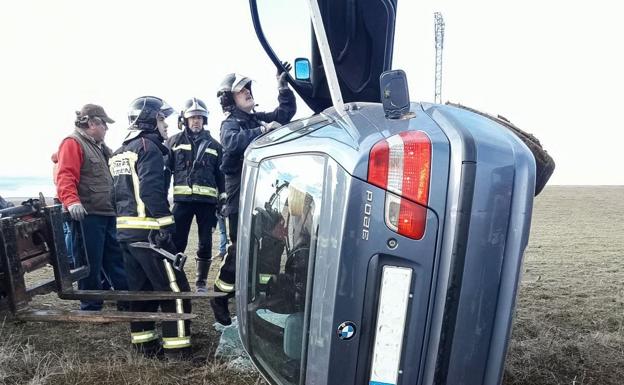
(231, 83)
(195, 107)
(145, 110)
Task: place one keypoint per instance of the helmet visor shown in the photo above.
(241, 82)
(146, 110)
(166, 110)
(169, 115)
(173, 119)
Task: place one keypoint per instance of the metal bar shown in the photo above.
(13, 274)
(177, 261)
(35, 262)
(326, 57)
(123, 295)
(439, 45)
(78, 274)
(97, 316)
(41, 288)
(32, 252)
(58, 252)
(17, 211)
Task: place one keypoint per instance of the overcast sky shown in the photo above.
(554, 68)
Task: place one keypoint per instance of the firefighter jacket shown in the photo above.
(194, 162)
(140, 187)
(238, 130)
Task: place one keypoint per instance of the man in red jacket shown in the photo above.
(84, 185)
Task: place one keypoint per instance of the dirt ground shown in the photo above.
(569, 325)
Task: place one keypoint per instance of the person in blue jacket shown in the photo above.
(241, 126)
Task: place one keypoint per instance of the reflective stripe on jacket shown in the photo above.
(140, 187)
(194, 162)
(195, 190)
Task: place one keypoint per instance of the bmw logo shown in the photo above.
(346, 330)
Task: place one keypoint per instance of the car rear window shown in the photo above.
(284, 225)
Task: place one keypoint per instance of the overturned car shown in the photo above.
(380, 243)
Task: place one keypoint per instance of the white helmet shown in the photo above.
(195, 107)
(232, 83)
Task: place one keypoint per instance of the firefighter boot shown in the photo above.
(220, 309)
(203, 267)
(225, 283)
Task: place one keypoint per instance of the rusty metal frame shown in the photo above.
(32, 237)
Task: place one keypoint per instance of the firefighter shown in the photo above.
(141, 182)
(241, 126)
(197, 183)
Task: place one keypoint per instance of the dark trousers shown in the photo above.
(103, 252)
(233, 226)
(227, 273)
(183, 212)
(148, 271)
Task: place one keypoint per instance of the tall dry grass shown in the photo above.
(22, 363)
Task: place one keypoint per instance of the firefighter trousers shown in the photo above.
(183, 212)
(148, 271)
(226, 277)
(227, 271)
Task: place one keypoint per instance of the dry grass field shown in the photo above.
(569, 326)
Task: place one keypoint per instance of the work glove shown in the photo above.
(282, 76)
(266, 127)
(77, 212)
(220, 205)
(163, 239)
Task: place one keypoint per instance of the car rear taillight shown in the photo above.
(401, 164)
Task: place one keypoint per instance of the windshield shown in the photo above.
(284, 229)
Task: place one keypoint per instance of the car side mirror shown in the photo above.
(394, 93)
(302, 69)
